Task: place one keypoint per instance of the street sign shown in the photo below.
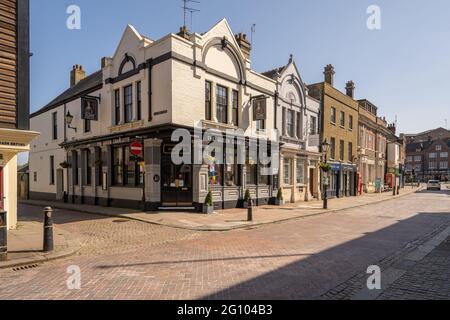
(136, 148)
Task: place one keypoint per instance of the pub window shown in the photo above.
(88, 168)
(290, 123)
(341, 150)
(250, 169)
(126, 170)
(235, 108)
(300, 171)
(261, 125)
(222, 104)
(99, 165)
(52, 170)
(117, 166)
(75, 168)
(55, 125)
(232, 169)
(263, 177)
(87, 125)
(139, 100)
(333, 148)
(128, 103)
(208, 92)
(117, 106)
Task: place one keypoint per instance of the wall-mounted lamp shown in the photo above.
(69, 119)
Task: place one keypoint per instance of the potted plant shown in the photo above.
(208, 206)
(279, 201)
(64, 164)
(325, 167)
(247, 198)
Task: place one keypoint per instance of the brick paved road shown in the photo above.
(292, 260)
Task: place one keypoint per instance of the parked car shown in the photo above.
(434, 185)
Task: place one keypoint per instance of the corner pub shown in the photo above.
(144, 92)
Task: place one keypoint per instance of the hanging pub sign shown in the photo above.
(259, 108)
(89, 108)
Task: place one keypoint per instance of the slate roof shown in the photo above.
(89, 83)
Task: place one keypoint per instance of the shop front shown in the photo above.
(12, 142)
(107, 173)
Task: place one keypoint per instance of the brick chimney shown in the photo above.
(329, 74)
(76, 75)
(350, 88)
(184, 33)
(244, 44)
(392, 128)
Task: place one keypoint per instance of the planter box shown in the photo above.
(208, 209)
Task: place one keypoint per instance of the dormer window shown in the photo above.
(438, 147)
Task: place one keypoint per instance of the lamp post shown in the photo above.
(325, 149)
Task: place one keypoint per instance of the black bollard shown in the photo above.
(250, 211)
(3, 236)
(48, 229)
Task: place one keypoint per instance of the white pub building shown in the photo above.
(146, 91)
(141, 94)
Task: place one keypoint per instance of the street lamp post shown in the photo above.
(325, 149)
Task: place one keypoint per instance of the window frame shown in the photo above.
(52, 170)
(55, 125)
(333, 148)
(208, 100)
(290, 123)
(333, 115)
(342, 119)
(341, 150)
(139, 100)
(117, 107)
(235, 107)
(222, 104)
(128, 103)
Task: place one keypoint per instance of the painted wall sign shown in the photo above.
(89, 108)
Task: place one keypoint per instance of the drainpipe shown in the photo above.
(150, 89)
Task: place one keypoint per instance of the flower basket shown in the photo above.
(325, 167)
(64, 165)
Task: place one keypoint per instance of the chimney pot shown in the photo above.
(244, 44)
(350, 88)
(329, 74)
(77, 74)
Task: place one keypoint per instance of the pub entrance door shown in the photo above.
(176, 184)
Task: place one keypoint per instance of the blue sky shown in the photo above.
(404, 68)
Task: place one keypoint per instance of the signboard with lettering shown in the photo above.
(89, 108)
(260, 108)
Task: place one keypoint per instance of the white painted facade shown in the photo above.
(179, 69)
(298, 119)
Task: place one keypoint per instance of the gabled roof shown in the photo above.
(89, 83)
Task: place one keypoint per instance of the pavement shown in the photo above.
(324, 256)
(231, 219)
(25, 245)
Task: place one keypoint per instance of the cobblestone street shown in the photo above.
(323, 256)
